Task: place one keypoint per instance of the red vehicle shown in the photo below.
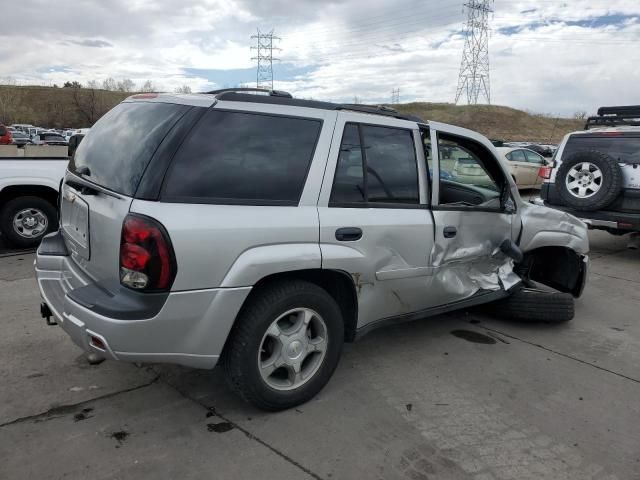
(5, 135)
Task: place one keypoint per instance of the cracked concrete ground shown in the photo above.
(407, 402)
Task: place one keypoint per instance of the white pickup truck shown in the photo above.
(29, 181)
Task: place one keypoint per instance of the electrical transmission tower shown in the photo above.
(474, 68)
(264, 55)
(395, 96)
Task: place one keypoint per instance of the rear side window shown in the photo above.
(120, 145)
(376, 165)
(3, 131)
(621, 148)
(243, 158)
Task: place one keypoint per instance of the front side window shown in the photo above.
(243, 158)
(376, 165)
(475, 178)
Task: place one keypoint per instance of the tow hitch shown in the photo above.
(45, 311)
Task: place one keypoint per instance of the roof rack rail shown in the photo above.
(628, 115)
(271, 93)
(277, 97)
(377, 110)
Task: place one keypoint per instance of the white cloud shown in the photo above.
(546, 56)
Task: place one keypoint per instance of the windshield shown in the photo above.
(623, 148)
(118, 148)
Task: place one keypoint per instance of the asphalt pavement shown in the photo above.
(458, 396)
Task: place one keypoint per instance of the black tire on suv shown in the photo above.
(534, 305)
(255, 344)
(603, 172)
(25, 220)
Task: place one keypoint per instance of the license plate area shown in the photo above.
(74, 218)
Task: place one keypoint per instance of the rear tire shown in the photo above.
(242, 358)
(24, 210)
(534, 305)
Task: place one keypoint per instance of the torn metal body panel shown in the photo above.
(555, 246)
(470, 262)
(545, 227)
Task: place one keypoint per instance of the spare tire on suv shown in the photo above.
(589, 180)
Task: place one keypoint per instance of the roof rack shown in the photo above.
(271, 93)
(628, 115)
(377, 110)
(277, 97)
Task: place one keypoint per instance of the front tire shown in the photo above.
(25, 220)
(531, 304)
(284, 346)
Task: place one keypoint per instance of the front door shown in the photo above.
(374, 221)
(472, 213)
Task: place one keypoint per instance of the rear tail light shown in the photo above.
(545, 172)
(147, 261)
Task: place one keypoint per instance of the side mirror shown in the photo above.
(509, 206)
(507, 203)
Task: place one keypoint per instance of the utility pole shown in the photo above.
(264, 55)
(395, 96)
(473, 80)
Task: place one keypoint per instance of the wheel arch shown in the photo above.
(29, 190)
(558, 267)
(337, 283)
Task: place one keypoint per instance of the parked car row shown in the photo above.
(26, 134)
(545, 150)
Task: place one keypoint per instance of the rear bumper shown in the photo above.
(187, 328)
(600, 219)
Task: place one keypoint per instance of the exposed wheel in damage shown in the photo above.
(534, 305)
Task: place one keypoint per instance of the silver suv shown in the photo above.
(263, 231)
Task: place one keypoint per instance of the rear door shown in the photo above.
(471, 220)
(103, 176)
(374, 221)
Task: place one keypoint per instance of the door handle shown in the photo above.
(348, 234)
(450, 232)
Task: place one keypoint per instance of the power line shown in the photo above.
(264, 56)
(474, 67)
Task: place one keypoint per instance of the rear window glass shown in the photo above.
(243, 158)
(622, 148)
(119, 146)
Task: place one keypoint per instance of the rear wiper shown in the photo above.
(82, 187)
(83, 170)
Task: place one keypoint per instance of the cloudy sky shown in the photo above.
(547, 56)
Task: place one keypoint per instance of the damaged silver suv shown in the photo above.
(261, 231)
